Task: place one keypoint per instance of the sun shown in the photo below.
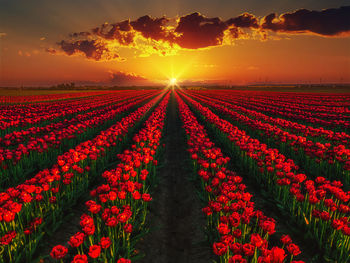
(172, 81)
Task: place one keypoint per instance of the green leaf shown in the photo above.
(138, 256)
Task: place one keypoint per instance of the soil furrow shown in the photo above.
(176, 219)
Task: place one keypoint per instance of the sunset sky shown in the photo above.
(136, 42)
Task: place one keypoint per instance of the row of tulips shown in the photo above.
(36, 207)
(14, 117)
(77, 113)
(290, 113)
(317, 158)
(47, 97)
(301, 103)
(17, 117)
(316, 102)
(315, 134)
(336, 101)
(322, 108)
(289, 103)
(321, 100)
(40, 152)
(321, 206)
(117, 211)
(241, 231)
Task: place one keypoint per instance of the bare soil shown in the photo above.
(176, 220)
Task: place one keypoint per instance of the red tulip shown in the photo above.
(80, 259)
(277, 255)
(105, 242)
(77, 239)
(59, 252)
(95, 251)
(293, 249)
(219, 248)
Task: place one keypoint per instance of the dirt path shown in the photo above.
(176, 220)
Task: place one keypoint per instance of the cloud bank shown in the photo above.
(165, 36)
(328, 22)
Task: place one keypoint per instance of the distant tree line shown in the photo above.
(64, 86)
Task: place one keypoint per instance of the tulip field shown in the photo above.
(175, 175)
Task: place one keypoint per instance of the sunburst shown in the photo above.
(172, 82)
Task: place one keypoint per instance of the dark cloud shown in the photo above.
(153, 28)
(198, 31)
(245, 20)
(124, 78)
(80, 34)
(328, 22)
(51, 50)
(92, 49)
(122, 32)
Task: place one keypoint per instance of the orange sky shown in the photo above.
(282, 58)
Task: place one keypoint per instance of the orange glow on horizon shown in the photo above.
(299, 59)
